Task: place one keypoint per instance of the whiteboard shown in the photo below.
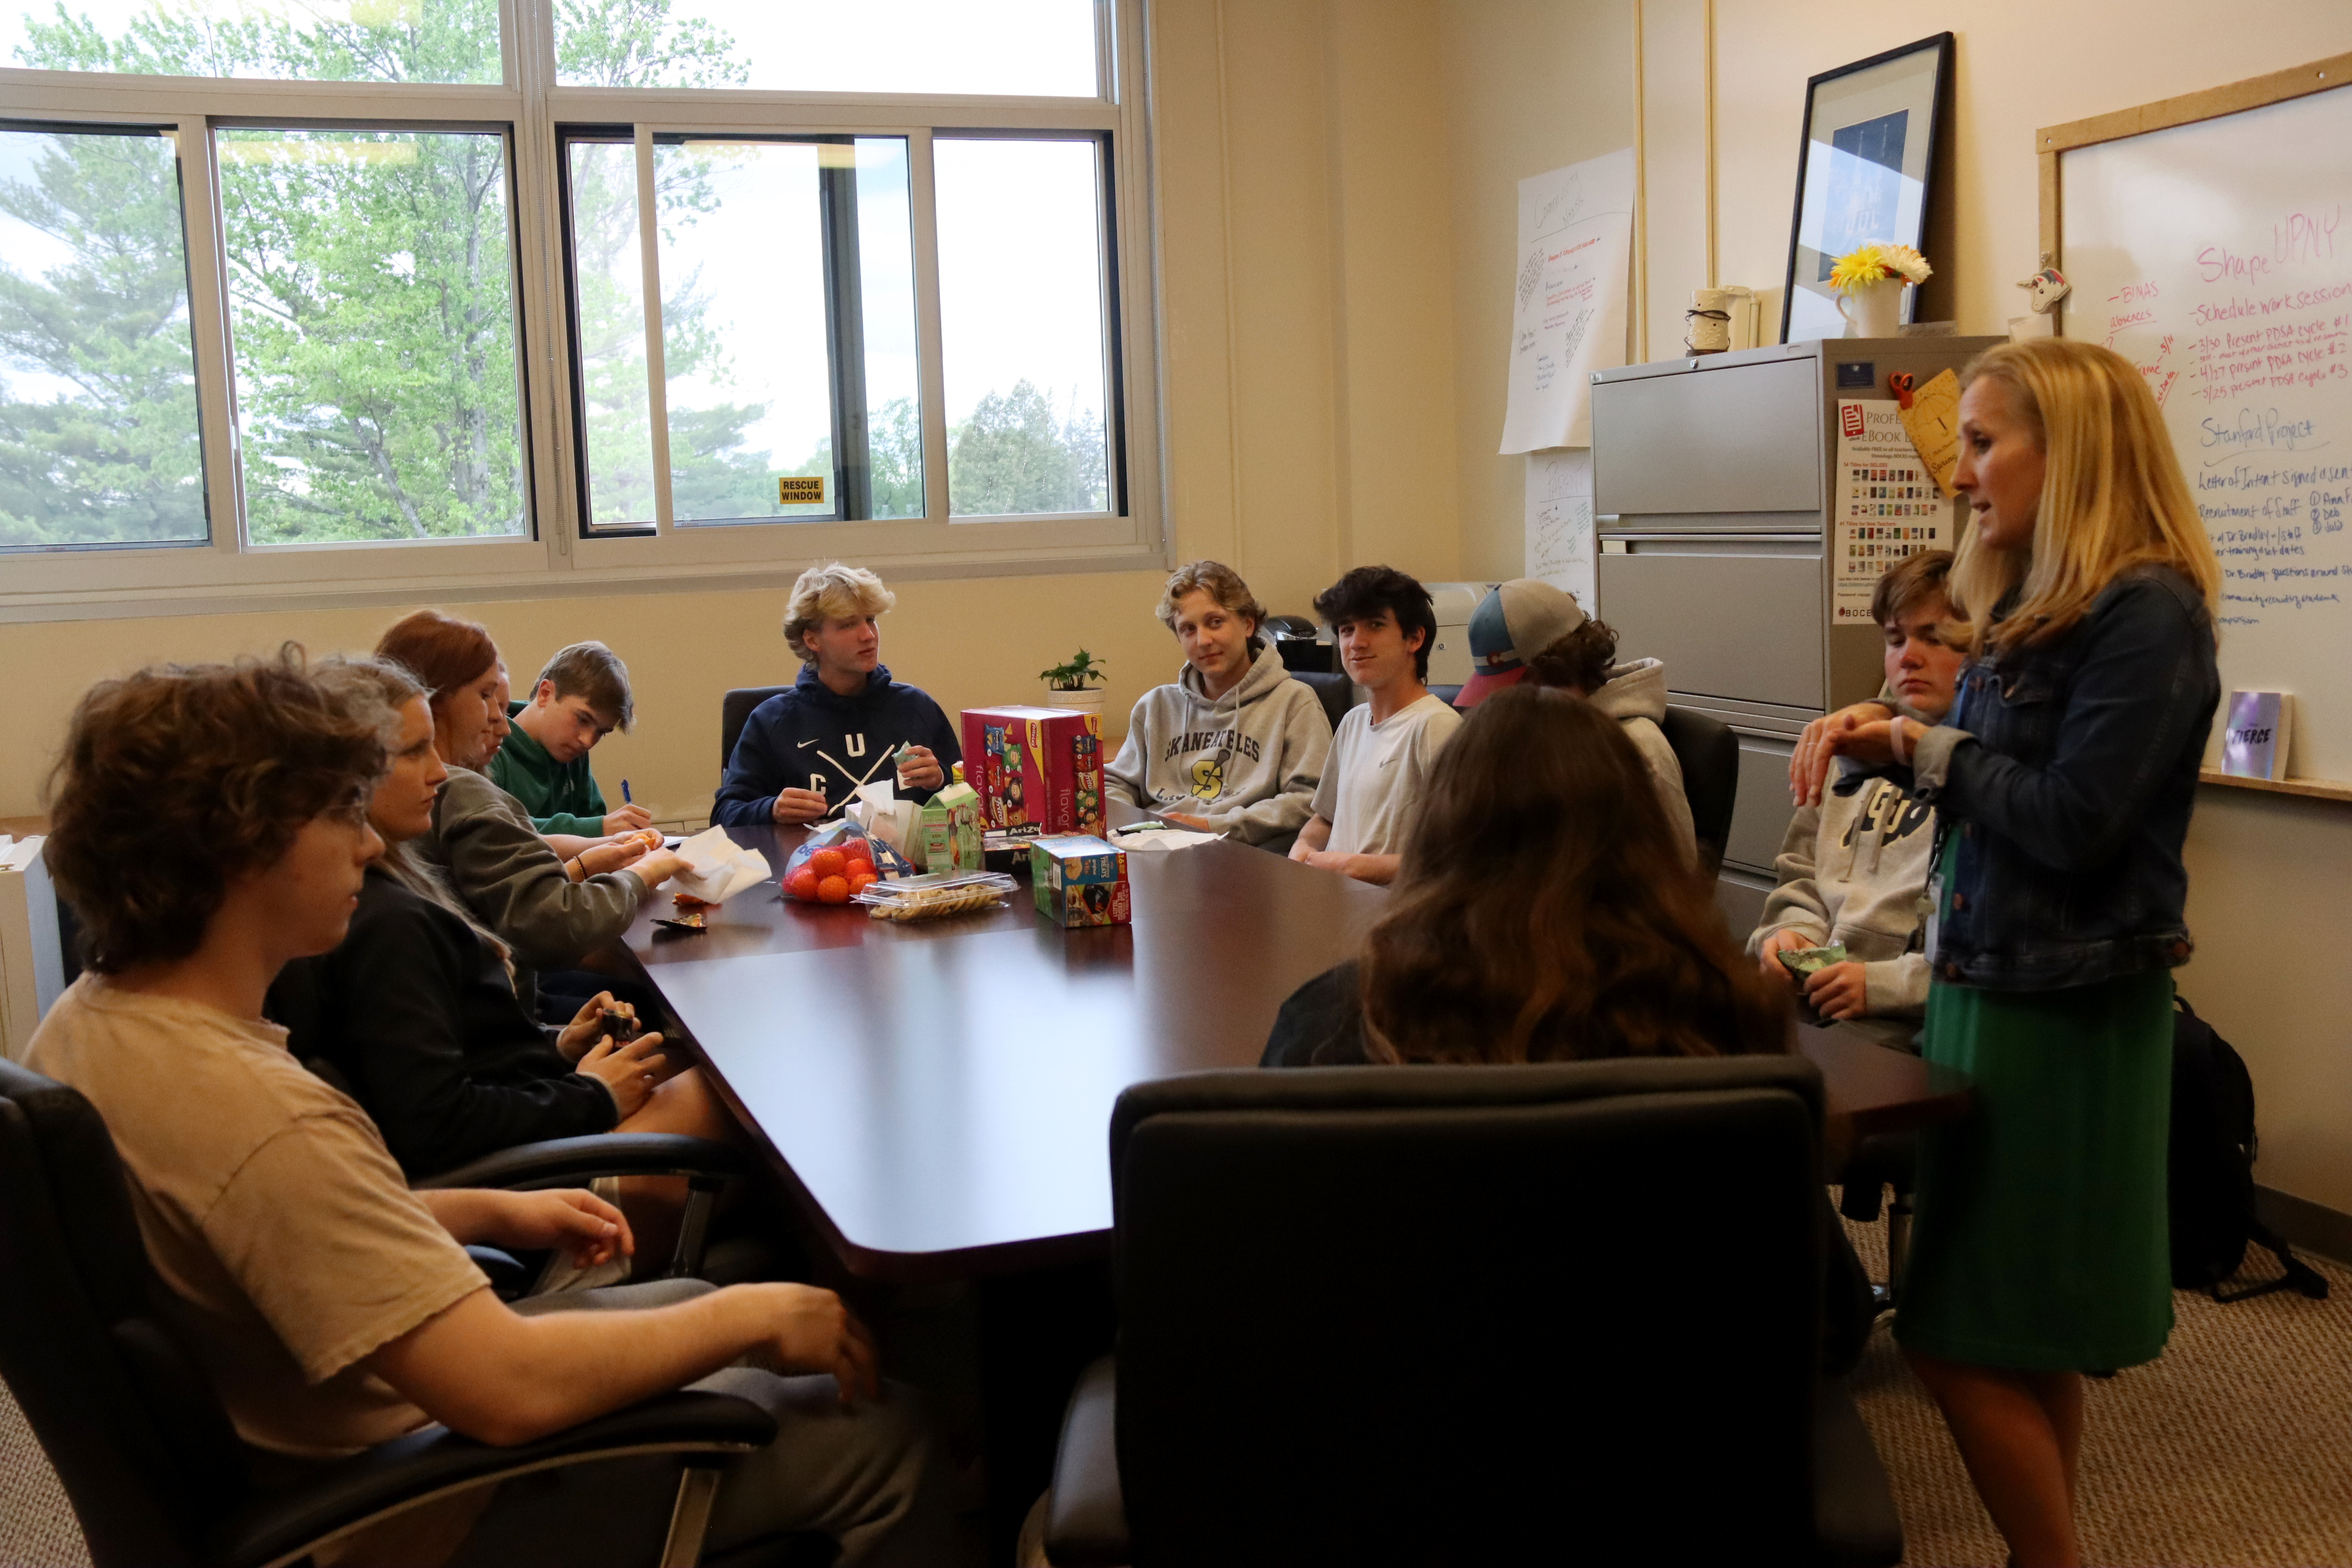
(2218, 258)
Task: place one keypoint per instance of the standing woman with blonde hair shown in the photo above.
(2063, 781)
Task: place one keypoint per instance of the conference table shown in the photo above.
(935, 1096)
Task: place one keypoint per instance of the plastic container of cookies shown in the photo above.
(935, 896)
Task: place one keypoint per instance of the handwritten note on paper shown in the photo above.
(1560, 521)
(2217, 258)
(1932, 418)
(1568, 308)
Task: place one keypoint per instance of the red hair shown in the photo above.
(443, 652)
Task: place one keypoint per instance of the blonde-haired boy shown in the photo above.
(804, 751)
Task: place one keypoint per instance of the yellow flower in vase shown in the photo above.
(1875, 262)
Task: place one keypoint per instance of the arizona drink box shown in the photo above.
(1038, 770)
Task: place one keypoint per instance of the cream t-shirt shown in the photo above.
(279, 1222)
(1372, 786)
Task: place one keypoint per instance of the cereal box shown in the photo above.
(1079, 881)
(1036, 769)
(950, 830)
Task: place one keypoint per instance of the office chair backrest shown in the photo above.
(734, 712)
(1336, 693)
(1484, 1314)
(1445, 694)
(1709, 755)
(124, 1411)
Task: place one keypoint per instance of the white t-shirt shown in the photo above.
(1373, 784)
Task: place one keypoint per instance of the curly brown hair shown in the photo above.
(179, 779)
(1581, 661)
(1544, 911)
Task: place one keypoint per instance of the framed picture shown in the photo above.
(1863, 173)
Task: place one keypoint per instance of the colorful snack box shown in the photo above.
(1079, 881)
(950, 830)
(1037, 770)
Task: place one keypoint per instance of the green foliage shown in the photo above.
(1073, 675)
(116, 461)
(1012, 456)
(371, 278)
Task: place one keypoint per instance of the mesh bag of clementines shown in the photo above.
(836, 861)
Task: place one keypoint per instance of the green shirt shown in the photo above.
(562, 797)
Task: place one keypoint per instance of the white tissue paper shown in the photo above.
(716, 868)
(1166, 839)
(878, 809)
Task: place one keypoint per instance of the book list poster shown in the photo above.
(1888, 505)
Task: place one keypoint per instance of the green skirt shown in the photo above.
(2040, 1240)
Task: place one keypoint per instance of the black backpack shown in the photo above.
(2212, 1169)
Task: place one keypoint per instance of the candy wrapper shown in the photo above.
(805, 877)
(1803, 961)
(716, 868)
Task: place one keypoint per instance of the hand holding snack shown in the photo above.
(919, 769)
(1838, 990)
(1787, 939)
(628, 1069)
(588, 1026)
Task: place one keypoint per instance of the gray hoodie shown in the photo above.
(1635, 697)
(515, 883)
(1248, 762)
(1855, 871)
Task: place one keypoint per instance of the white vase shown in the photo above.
(1087, 702)
(1874, 312)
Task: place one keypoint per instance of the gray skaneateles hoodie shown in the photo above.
(1854, 870)
(1248, 762)
(1635, 697)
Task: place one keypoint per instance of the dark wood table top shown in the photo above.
(936, 1095)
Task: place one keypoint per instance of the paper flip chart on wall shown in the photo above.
(1567, 306)
(1559, 522)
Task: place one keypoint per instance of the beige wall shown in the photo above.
(1307, 395)
(1338, 206)
(1533, 86)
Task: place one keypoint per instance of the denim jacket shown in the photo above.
(2068, 770)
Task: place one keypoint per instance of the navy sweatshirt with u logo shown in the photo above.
(812, 738)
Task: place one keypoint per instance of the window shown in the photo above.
(414, 296)
(372, 306)
(1025, 361)
(99, 438)
(786, 327)
(353, 40)
(1025, 49)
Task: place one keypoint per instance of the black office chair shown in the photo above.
(1336, 693)
(1709, 755)
(1379, 1315)
(735, 711)
(155, 1473)
(1445, 694)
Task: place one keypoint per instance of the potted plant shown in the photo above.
(1873, 277)
(1070, 685)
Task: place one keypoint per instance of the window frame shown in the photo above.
(560, 554)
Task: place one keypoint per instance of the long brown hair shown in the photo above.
(1543, 911)
(2112, 494)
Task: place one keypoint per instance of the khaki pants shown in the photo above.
(864, 1475)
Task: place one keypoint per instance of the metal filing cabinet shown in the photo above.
(1711, 485)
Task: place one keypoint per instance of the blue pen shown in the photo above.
(624, 794)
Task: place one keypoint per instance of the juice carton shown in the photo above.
(1037, 770)
(1079, 881)
(949, 833)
